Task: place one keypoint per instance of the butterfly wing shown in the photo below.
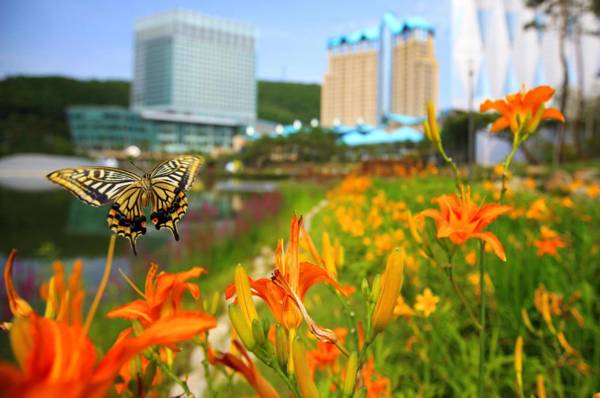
(98, 186)
(95, 186)
(126, 216)
(169, 181)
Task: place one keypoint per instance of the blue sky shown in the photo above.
(94, 39)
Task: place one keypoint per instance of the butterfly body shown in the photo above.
(129, 194)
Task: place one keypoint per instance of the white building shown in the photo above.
(189, 63)
(488, 39)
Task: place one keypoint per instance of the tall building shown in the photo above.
(349, 91)
(384, 72)
(414, 73)
(194, 89)
(493, 54)
(187, 62)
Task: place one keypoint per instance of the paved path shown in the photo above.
(262, 265)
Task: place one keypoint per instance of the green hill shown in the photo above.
(284, 102)
(32, 109)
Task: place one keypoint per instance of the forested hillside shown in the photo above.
(284, 102)
(32, 109)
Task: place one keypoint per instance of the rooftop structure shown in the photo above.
(194, 88)
(380, 73)
(113, 127)
(195, 64)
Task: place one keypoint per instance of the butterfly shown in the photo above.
(129, 194)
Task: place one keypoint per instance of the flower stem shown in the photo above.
(102, 285)
(452, 164)
(151, 355)
(481, 320)
(206, 367)
(516, 142)
(462, 298)
(266, 357)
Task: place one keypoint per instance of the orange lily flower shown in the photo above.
(549, 243)
(325, 355)
(291, 280)
(523, 111)
(459, 219)
(162, 296)
(246, 367)
(64, 299)
(375, 384)
(58, 360)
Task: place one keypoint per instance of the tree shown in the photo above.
(565, 16)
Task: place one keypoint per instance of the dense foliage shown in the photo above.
(284, 102)
(315, 145)
(33, 119)
(32, 110)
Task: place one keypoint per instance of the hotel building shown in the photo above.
(388, 71)
(414, 73)
(193, 89)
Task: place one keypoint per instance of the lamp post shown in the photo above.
(471, 132)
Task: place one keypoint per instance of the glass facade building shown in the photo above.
(193, 89)
(109, 128)
(187, 62)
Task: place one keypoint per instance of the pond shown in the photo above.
(49, 223)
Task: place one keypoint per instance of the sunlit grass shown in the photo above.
(443, 354)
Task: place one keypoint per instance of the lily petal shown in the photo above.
(553, 113)
(137, 309)
(493, 241)
(500, 124)
(538, 96)
(311, 274)
(18, 306)
(499, 105)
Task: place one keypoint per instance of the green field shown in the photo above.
(438, 355)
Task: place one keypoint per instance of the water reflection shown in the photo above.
(49, 225)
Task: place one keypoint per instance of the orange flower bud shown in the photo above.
(241, 327)
(391, 283)
(304, 376)
(244, 295)
(281, 346)
(430, 125)
(350, 376)
(541, 390)
(519, 362)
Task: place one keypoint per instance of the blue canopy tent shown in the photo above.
(379, 136)
(404, 120)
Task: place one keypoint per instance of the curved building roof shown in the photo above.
(372, 34)
(405, 120)
(365, 35)
(380, 136)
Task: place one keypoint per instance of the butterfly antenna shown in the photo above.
(137, 167)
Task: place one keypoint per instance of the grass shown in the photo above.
(438, 355)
